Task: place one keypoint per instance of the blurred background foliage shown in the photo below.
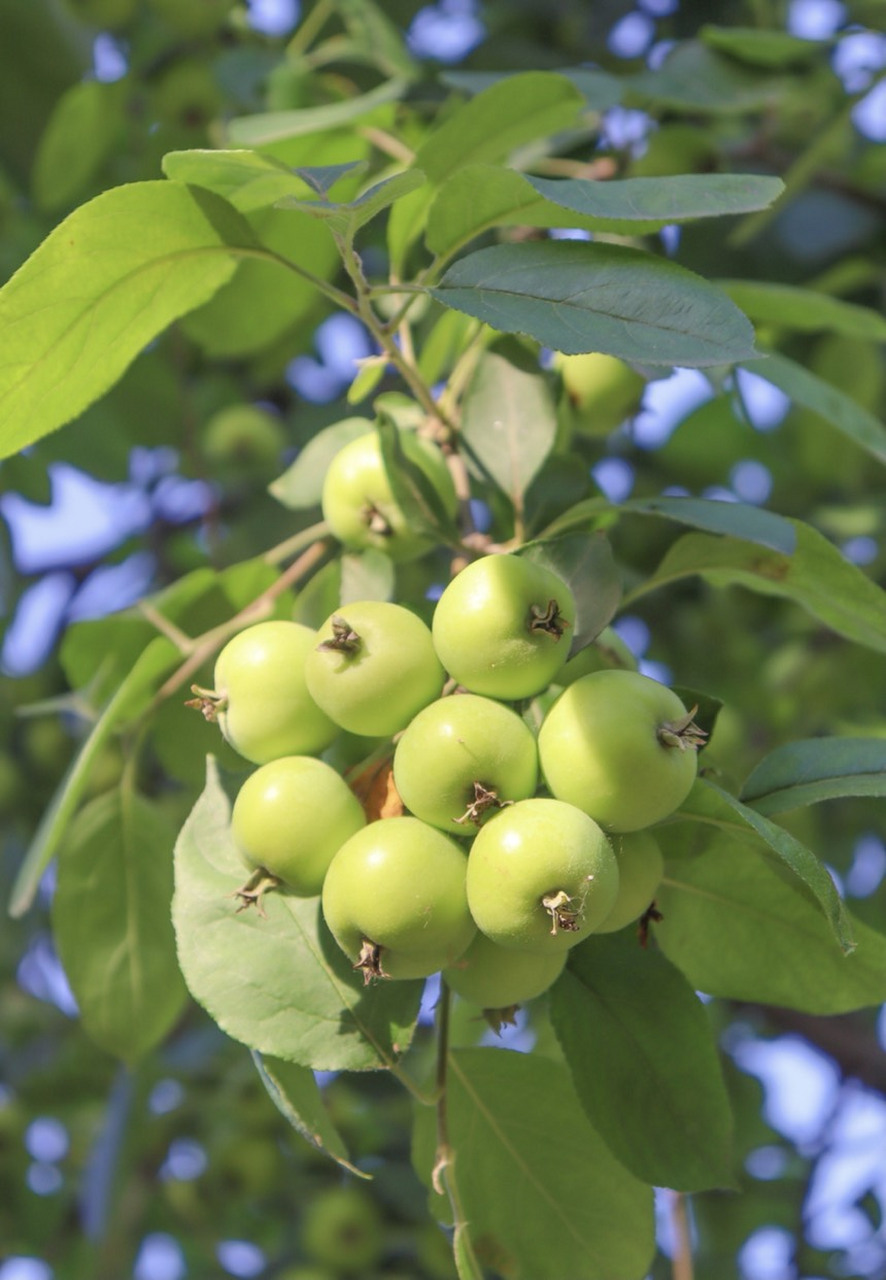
(183, 1167)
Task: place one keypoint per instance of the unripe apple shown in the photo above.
(496, 977)
(640, 869)
(603, 390)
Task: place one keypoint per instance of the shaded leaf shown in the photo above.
(110, 919)
(296, 1095)
(816, 577)
(644, 1063)
(280, 984)
(275, 126)
(81, 133)
(804, 310)
(576, 297)
(541, 1191)
(413, 491)
(98, 289)
(737, 519)
(346, 218)
(694, 78)
(764, 48)
(586, 564)
(816, 769)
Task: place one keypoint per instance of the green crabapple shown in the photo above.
(640, 869)
(496, 977)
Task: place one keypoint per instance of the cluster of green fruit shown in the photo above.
(504, 850)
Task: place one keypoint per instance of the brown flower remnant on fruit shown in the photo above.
(498, 1018)
(370, 962)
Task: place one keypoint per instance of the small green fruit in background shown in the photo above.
(395, 901)
(463, 757)
(261, 699)
(373, 667)
(186, 96)
(503, 626)
(620, 746)
(290, 819)
(343, 1229)
(607, 651)
(603, 390)
(244, 441)
(640, 869)
(541, 876)
(496, 977)
(358, 502)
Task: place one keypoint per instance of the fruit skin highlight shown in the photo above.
(621, 747)
(541, 876)
(503, 627)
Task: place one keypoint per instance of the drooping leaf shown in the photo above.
(739, 931)
(274, 126)
(577, 297)
(110, 918)
(586, 564)
(709, 803)
(803, 310)
(509, 418)
(822, 397)
(105, 282)
(816, 577)
(737, 519)
(301, 484)
(815, 769)
(542, 1195)
(280, 984)
(644, 1063)
(296, 1095)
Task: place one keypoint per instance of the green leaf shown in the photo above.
(321, 178)
(131, 698)
(375, 38)
(413, 492)
(586, 564)
(644, 1063)
(769, 48)
(296, 1095)
(695, 79)
(367, 575)
(803, 310)
(599, 89)
(816, 577)
(542, 1195)
(509, 418)
(280, 984)
(275, 126)
(576, 297)
(301, 485)
(737, 519)
(822, 397)
(246, 179)
(709, 803)
(815, 769)
(105, 282)
(347, 218)
(82, 132)
(739, 931)
(110, 919)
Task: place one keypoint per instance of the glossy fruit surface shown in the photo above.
(266, 710)
(394, 898)
(640, 869)
(496, 977)
(621, 747)
(358, 502)
(291, 817)
(373, 667)
(503, 626)
(461, 758)
(541, 876)
(343, 1229)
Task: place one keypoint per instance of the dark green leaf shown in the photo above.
(763, 48)
(738, 930)
(711, 804)
(644, 1063)
(816, 769)
(82, 132)
(816, 577)
(543, 1196)
(509, 418)
(585, 563)
(737, 519)
(346, 218)
(695, 79)
(414, 493)
(822, 397)
(113, 288)
(296, 1095)
(110, 918)
(280, 984)
(804, 310)
(321, 178)
(576, 297)
(301, 485)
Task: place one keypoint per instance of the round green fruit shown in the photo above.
(640, 869)
(461, 759)
(503, 626)
(261, 700)
(394, 899)
(373, 668)
(343, 1229)
(607, 651)
(186, 95)
(243, 440)
(541, 876)
(620, 746)
(603, 390)
(359, 505)
(496, 977)
(290, 819)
